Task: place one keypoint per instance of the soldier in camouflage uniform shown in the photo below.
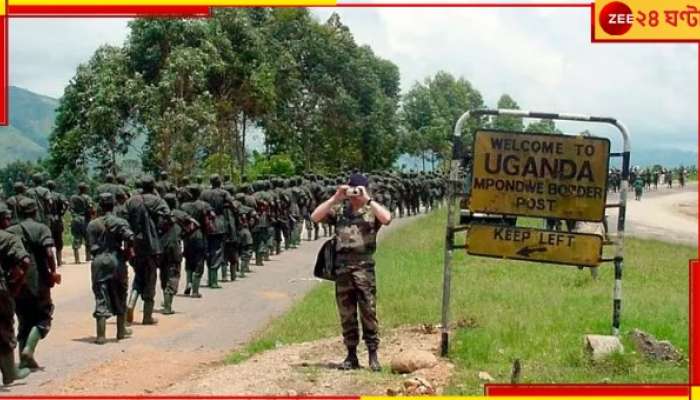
(195, 245)
(58, 207)
(34, 306)
(219, 200)
(246, 219)
(13, 201)
(42, 197)
(148, 214)
(111, 243)
(170, 262)
(81, 209)
(14, 261)
(231, 241)
(261, 230)
(163, 186)
(357, 220)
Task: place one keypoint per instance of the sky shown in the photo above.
(543, 58)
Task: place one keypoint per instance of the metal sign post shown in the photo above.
(505, 160)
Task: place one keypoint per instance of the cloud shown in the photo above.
(44, 53)
(545, 60)
(541, 57)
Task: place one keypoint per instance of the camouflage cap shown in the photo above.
(106, 199)
(19, 187)
(51, 185)
(38, 178)
(27, 206)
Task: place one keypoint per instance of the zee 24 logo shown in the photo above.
(616, 18)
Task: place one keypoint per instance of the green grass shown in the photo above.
(537, 313)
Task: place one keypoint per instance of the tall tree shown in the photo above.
(507, 122)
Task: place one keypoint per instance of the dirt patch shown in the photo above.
(136, 370)
(310, 369)
(689, 208)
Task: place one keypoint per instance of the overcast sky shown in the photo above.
(543, 58)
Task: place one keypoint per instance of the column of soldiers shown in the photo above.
(153, 228)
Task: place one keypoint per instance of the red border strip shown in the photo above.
(108, 11)
(4, 79)
(694, 316)
(587, 390)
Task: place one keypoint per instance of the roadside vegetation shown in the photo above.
(507, 310)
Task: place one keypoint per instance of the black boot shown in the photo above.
(374, 361)
(351, 361)
(76, 256)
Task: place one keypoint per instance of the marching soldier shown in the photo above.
(148, 214)
(57, 209)
(14, 261)
(82, 210)
(34, 305)
(171, 261)
(42, 197)
(13, 201)
(111, 245)
(219, 200)
(195, 245)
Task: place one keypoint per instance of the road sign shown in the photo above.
(534, 245)
(540, 175)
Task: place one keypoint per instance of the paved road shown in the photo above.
(664, 214)
(202, 331)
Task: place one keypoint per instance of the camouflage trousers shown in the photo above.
(355, 287)
(78, 230)
(110, 284)
(195, 255)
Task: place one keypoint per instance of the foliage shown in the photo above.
(430, 111)
(196, 88)
(534, 312)
(278, 164)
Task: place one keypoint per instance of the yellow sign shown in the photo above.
(646, 20)
(540, 175)
(534, 245)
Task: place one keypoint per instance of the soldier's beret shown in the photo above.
(19, 186)
(51, 184)
(27, 206)
(106, 199)
(82, 185)
(358, 180)
(37, 178)
(214, 178)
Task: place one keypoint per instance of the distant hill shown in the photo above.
(31, 120)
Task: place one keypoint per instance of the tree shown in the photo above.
(507, 122)
(542, 126)
(95, 118)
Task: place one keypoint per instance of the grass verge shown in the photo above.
(537, 313)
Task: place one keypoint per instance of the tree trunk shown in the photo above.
(242, 155)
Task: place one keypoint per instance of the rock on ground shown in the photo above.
(661, 350)
(412, 360)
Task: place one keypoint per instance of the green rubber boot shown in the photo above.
(213, 279)
(122, 331)
(188, 287)
(131, 306)
(233, 270)
(167, 304)
(26, 358)
(101, 330)
(196, 279)
(224, 273)
(148, 313)
(243, 267)
(258, 259)
(10, 372)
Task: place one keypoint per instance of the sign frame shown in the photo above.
(455, 182)
(547, 135)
